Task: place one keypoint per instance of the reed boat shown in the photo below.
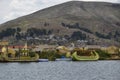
(93, 56)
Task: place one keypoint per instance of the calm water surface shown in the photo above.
(96, 70)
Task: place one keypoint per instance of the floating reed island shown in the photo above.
(60, 53)
(23, 54)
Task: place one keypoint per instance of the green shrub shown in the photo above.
(103, 55)
(51, 55)
(32, 54)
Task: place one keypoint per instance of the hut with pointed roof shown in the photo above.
(113, 50)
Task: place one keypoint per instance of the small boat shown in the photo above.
(94, 56)
(43, 60)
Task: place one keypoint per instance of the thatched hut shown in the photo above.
(8, 51)
(62, 49)
(113, 50)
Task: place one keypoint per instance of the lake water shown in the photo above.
(59, 70)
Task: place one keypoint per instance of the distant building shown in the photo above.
(42, 47)
(93, 47)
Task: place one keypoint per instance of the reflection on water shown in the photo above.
(96, 70)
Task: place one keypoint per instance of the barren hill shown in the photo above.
(98, 21)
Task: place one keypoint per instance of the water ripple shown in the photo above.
(96, 70)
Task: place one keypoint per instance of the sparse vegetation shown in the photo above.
(103, 36)
(8, 32)
(103, 55)
(51, 55)
(78, 36)
(76, 26)
(71, 18)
